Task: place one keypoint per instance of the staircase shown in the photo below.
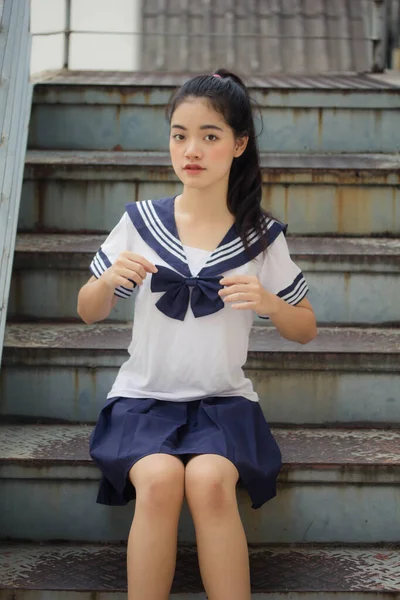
(331, 169)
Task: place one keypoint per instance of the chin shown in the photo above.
(195, 185)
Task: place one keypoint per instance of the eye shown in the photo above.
(211, 135)
(178, 137)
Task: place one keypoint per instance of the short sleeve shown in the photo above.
(280, 275)
(119, 240)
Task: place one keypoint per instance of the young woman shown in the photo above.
(181, 419)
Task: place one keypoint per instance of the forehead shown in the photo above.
(195, 112)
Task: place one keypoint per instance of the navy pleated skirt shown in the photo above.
(234, 427)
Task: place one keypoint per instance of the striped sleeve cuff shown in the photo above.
(101, 263)
(294, 293)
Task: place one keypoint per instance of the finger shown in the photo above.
(244, 306)
(133, 273)
(232, 289)
(234, 279)
(136, 278)
(122, 282)
(241, 296)
(137, 268)
(146, 264)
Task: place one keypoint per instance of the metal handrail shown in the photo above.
(14, 116)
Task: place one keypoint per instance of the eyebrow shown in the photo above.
(202, 127)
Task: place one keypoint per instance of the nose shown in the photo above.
(192, 150)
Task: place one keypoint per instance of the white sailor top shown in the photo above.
(187, 344)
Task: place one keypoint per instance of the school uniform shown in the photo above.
(182, 390)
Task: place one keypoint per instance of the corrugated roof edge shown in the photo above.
(348, 81)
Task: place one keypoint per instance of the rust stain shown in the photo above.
(136, 190)
(147, 96)
(298, 113)
(76, 391)
(39, 200)
(347, 281)
(353, 206)
(268, 197)
(274, 175)
(18, 291)
(320, 123)
(377, 120)
(340, 210)
(117, 113)
(286, 203)
(93, 381)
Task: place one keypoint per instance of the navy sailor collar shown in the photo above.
(155, 222)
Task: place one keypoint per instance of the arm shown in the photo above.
(96, 298)
(296, 323)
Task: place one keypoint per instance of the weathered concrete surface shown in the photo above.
(288, 394)
(33, 446)
(333, 346)
(65, 371)
(332, 488)
(330, 572)
(345, 276)
(106, 112)
(86, 191)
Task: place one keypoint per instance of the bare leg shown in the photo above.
(210, 486)
(152, 542)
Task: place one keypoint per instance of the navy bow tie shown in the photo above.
(174, 303)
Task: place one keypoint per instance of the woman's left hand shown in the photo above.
(249, 293)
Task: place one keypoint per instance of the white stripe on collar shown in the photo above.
(236, 243)
(159, 231)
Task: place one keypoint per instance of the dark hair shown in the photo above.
(228, 95)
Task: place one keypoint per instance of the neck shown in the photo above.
(208, 204)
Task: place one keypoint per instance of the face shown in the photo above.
(202, 145)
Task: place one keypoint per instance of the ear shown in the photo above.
(241, 145)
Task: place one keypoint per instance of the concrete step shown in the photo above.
(346, 375)
(108, 111)
(84, 572)
(332, 488)
(333, 194)
(345, 276)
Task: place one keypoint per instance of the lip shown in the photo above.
(193, 167)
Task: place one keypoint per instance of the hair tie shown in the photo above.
(216, 75)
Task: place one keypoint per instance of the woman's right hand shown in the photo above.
(128, 268)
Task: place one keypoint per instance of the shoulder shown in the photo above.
(273, 229)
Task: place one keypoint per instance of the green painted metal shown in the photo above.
(315, 195)
(124, 127)
(76, 394)
(307, 511)
(64, 372)
(345, 277)
(321, 470)
(15, 103)
(354, 118)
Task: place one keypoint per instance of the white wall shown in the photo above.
(47, 27)
(104, 34)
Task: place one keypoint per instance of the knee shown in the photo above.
(160, 487)
(207, 490)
